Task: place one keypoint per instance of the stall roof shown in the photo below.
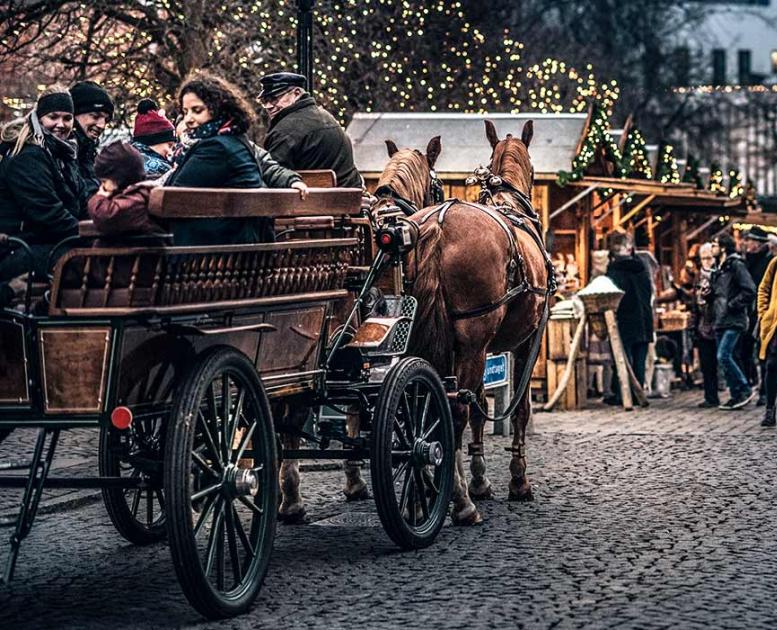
(464, 143)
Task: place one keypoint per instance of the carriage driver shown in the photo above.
(302, 135)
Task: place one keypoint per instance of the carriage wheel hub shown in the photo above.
(428, 453)
(241, 481)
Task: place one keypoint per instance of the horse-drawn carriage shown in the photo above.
(190, 360)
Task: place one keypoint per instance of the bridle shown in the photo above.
(433, 195)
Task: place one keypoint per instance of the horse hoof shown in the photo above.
(524, 494)
(295, 515)
(481, 492)
(467, 518)
(360, 493)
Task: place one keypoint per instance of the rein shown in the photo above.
(436, 195)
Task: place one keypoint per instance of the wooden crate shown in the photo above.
(574, 396)
(560, 334)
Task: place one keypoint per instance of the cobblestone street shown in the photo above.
(657, 518)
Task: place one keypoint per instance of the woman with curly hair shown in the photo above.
(220, 155)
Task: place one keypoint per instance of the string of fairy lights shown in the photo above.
(667, 170)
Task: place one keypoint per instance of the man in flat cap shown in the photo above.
(302, 135)
(93, 109)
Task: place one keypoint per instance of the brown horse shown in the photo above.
(468, 258)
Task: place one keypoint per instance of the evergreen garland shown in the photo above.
(692, 175)
(735, 188)
(635, 161)
(667, 171)
(716, 179)
(597, 136)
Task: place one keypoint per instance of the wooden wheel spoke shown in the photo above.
(149, 507)
(416, 394)
(214, 415)
(226, 429)
(431, 429)
(203, 465)
(251, 506)
(135, 503)
(249, 548)
(400, 469)
(210, 443)
(429, 479)
(400, 433)
(207, 491)
(160, 499)
(408, 423)
(213, 543)
(405, 489)
(244, 442)
(234, 558)
(421, 492)
(210, 501)
(235, 420)
(424, 413)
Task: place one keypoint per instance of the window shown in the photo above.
(682, 65)
(718, 66)
(744, 59)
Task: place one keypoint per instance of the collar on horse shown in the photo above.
(436, 195)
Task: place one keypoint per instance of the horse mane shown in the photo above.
(407, 175)
(512, 163)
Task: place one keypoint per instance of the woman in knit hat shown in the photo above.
(41, 192)
(154, 137)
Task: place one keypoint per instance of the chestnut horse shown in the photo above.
(468, 259)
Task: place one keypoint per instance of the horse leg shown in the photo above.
(464, 510)
(292, 510)
(355, 488)
(479, 485)
(519, 488)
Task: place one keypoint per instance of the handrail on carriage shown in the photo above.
(214, 203)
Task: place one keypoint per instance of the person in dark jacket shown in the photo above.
(93, 108)
(704, 328)
(757, 257)
(41, 191)
(302, 135)
(635, 312)
(154, 137)
(733, 293)
(217, 118)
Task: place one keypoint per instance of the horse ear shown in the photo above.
(491, 133)
(528, 133)
(392, 148)
(433, 150)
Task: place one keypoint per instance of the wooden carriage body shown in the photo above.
(124, 323)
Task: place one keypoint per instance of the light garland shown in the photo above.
(716, 179)
(635, 162)
(735, 188)
(667, 171)
(597, 138)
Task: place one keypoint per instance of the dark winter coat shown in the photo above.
(305, 137)
(227, 161)
(87, 153)
(635, 313)
(757, 263)
(733, 293)
(703, 311)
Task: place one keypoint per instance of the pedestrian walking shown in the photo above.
(219, 155)
(93, 108)
(767, 326)
(302, 135)
(635, 313)
(757, 257)
(704, 328)
(732, 293)
(153, 136)
(41, 192)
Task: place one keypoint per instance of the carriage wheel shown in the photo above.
(412, 454)
(137, 513)
(4, 433)
(221, 484)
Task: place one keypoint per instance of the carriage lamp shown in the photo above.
(121, 418)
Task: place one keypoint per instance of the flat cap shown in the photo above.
(757, 233)
(274, 84)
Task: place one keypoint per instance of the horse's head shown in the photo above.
(510, 161)
(409, 180)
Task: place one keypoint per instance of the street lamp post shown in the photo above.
(305, 40)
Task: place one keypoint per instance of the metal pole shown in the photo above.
(305, 40)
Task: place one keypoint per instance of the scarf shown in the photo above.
(190, 138)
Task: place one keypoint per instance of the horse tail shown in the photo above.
(432, 337)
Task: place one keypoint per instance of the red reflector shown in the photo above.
(385, 239)
(121, 418)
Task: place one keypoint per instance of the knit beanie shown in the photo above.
(90, 97)
(56, 102)
(150, 126)
(122, 163)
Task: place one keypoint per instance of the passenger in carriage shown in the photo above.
(41, 191)
(93, 108)
(120, 206)
(302, 134)
(154, 138)
(218, 118)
